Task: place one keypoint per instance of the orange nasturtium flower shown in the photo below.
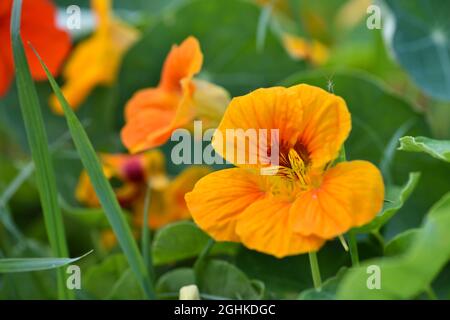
(38, 26)
(307, 200)
(152, 114)
(96, 61)
(130, 176)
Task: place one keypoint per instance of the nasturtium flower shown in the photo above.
(96, 60)
(38, 26)
(152, 114)
(295, 205)
(132, 175)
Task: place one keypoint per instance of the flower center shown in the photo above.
(133, 170)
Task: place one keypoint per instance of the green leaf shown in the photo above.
(421, 42)
(439, 149)
(99, 280)
(103, 190)
(90, 217)
(406, 275)
(170, 283)
(327, 291)
(395, 198)
(183, 240)
(178, 241)
(285, 278)
(38, 141)
(400, 243)
(13, 265)
(221, 278)
(126, 288)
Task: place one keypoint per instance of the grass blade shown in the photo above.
(14, 265)
(146, 237)
(37, 139)
(103, 190)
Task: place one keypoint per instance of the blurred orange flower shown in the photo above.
(152, 114)
(302, 49)
(96, 61)
(40, 29)
(131, 176)
(306, 200)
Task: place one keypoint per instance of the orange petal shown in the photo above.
(85, 192)
(271, 108)
(350, 195)
(182, 62)
(264, 226)
(148, 129)
(325, 125)
(152, 98)
(6, 64)
(40, 29)
(181, 185)
(218, 200)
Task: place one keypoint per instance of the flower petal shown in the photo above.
(264, 226)
(39, 27)
(182, 62)
(6, 64)
(350, 195)
(219, 199)
(148, 129)
(271, 108)
(210, 102)
(152, 98)
(325, 124)
(180, 186)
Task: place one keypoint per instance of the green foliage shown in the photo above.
(421, 42)
(170, 283)
(223, 279)
(395, 197)
(178, 241)
(103, 190)
(112, 279)
(327, 291)
(183, 240)
(37, 139)
(295, 270)
(406, 275)
(401, 242)
(13, 265)
(439, 149)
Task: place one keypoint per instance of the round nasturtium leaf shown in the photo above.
(418, 33)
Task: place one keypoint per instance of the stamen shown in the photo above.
(343, 242)
(298, 166)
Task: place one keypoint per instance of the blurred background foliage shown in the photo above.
(395, 80)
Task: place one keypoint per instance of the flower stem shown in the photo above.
(146, 236)
(430, 293)
(204, 254)
(317, 280)
(353, 248)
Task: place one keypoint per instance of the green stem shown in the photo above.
(145, 244)
(317, 280)
(430, 293)
(202, 256)
(353, 246)
(379, 237)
